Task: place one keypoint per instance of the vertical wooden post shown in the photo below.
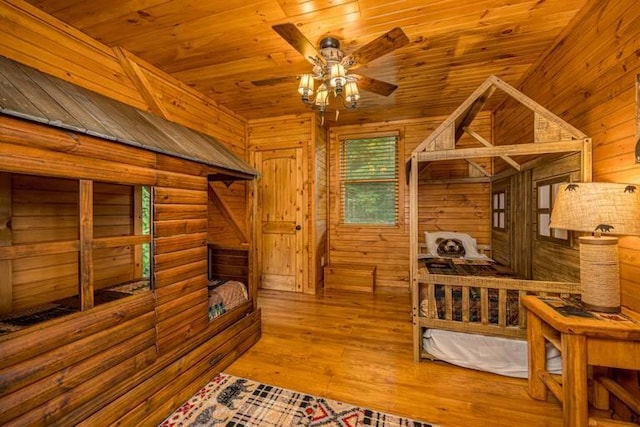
(587, 160)
(86, 244)
(252, 187)
(6, 282)
(575, 406)
(413, 257)
(137, 230)
(537, 356)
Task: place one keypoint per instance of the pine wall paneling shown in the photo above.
(319, 195)
(451, 207)
(588, 80)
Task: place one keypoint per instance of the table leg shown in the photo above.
(575, 405)
(537, 356)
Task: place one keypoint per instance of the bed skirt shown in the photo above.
(501, 356)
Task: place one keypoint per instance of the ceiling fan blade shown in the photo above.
(384, 44)
(373, 85)
(295, 38)
(275, 81)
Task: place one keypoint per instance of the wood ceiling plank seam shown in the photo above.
(262, 12)
(84, 14)
(574, 31)
(601, 78)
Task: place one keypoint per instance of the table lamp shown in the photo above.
(602, 208)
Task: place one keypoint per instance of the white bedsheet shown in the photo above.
(492, 354)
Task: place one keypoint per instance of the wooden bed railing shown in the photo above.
(474, 314)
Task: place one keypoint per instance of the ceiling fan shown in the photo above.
(331, 66)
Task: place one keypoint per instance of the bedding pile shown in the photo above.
(224, 296)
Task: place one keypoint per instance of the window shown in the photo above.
(369, 182)
(499, 210)
(546, 194)
(71, 245)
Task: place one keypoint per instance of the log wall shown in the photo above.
(588, 79)
(145, 351)
(451, 207)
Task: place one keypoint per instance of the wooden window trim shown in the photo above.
(400, 199)
(550, 182)
(499, 210)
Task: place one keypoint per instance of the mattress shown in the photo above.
(498, 355)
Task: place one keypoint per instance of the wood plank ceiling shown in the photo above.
(221, 47)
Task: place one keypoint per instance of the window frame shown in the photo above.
(557, 236)
(399, 197)
(501, 210)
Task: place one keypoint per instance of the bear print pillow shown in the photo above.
(450, 248)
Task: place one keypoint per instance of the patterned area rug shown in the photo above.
(237, 402)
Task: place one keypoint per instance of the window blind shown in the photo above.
(369, 181)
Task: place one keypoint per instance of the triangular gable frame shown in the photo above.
(466, 112)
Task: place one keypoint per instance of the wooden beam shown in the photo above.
(6, 266)
(86, 244)
(236, 225)
(510, 150)
(140, 81)
(137, 231)
(477, 180)
(472, 112)
(38, 249)
(486, 143)
(115, 242)
(459, 111)
(478, 167)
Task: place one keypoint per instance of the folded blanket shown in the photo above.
(225, 297)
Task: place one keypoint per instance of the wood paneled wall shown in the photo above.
(588, 79)
(40, 41)
(452, 207)
(188, 348)
(319, 195)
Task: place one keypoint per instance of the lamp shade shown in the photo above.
(305, 88)
(598, 207)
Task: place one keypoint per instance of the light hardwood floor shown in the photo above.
(357, 348)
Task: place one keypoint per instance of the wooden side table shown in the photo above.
(584, 338)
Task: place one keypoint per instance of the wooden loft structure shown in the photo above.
(75, 305)
(551, 137)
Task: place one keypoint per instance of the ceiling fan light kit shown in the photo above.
(331, 68)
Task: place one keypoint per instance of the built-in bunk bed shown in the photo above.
(466, 306)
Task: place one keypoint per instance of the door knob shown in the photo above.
(298, 227)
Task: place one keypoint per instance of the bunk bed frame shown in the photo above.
(552, 136)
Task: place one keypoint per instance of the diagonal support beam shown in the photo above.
(479, 167)
(236, 225)
(486, 143)
(137, 76)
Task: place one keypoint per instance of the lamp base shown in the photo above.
(600, 273)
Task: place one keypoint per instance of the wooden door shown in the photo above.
(280, 236)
